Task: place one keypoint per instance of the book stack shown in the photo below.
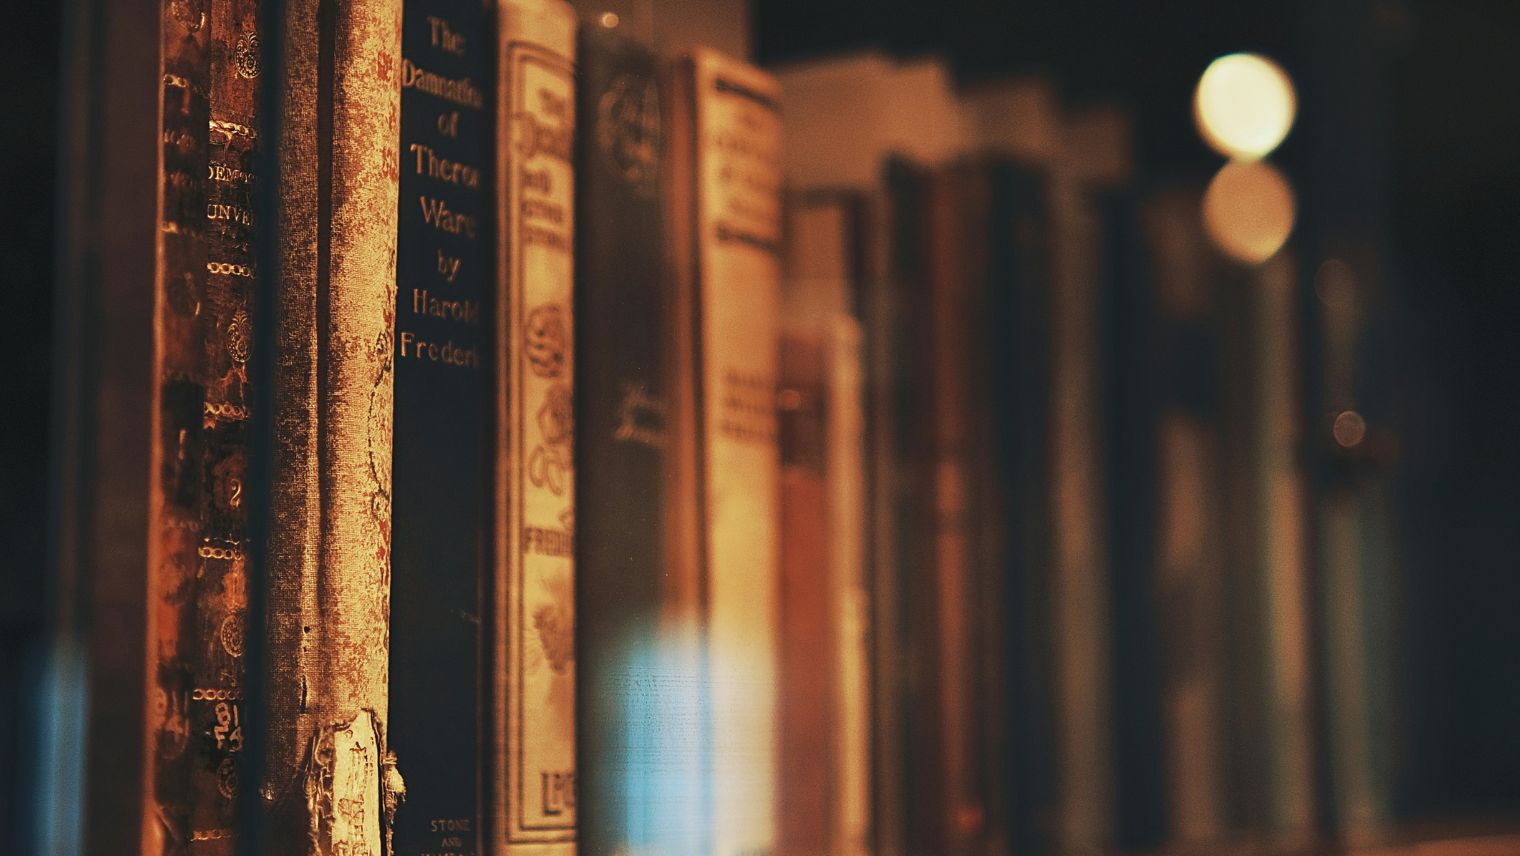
(557, 444)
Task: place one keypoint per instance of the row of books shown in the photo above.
(655, 455)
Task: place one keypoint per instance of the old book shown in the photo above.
(180, 779)
(628, 795)
(221, 596)
(532, 781)
(441, 469)
(330, 786)
(724, 233)
(825, 685)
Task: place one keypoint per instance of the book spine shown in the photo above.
(221, 589)
(330, 785)
(728, 111)
(1079, 584)
(823, 590)
(440, 462)
(806, 686)
(180, 387)
(844, 438)
(534, 649)
(626, 798)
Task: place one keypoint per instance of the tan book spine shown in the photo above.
(329, 784)
(533, 742)
(844, 463)
(727, 230)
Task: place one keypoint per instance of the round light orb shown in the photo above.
(1248, 210)
(1349, 429)
(1244, 105)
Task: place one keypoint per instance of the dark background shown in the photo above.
(1408, 134)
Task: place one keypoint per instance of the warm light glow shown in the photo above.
(609, 20)
(1248, 210)
(1244, 105)
(1349, 428)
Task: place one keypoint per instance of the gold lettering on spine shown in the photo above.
(536, 623)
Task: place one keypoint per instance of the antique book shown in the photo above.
(532, 752)
(440, 463)
(825, 685)
(180, 777)
(330, 783)
(724, 233)
(628, 799)
(221, 596)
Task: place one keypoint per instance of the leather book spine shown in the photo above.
(221, 596)
(180, 390)
(626, 795)
(533, 791)
(725, 226)
(441, 464)
(330, 787)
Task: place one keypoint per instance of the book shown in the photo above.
(724, 230)
(1189, 572)
(532, 754)
(180, 352)
(806, 721)
(441, 457)
(630, 788)
(330, 782)
(215, 712)
(825, 685)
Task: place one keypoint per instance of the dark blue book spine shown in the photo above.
(442, 467)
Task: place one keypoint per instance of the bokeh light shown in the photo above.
(1244, 105)
(1248, 210)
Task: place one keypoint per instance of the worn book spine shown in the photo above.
(725, 234)
(221, 593)
(441, 469)
(180, 388)
(532, 785)
(330, 786)
(626, 792)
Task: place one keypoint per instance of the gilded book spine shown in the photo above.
(180, 388)
(330, 787)
(533, 741)
(221, 592)
(441, 465)
(627, 793)
(726, 230)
